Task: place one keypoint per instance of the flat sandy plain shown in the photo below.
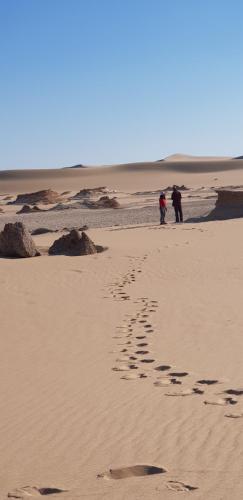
(130, 357)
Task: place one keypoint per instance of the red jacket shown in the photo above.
(162, 202)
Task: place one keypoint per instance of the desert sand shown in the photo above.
(121, 372)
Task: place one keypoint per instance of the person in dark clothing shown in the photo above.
(162, 207)
(176, 203)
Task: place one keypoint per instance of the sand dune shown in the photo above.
(186, 158)
(130, 176)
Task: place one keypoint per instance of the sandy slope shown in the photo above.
(66, 416)
(130, 177)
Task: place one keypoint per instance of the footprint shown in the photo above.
(235, 392)
(207, 382)
(179, 486)
(133, 376)
(141, 352)
(124, 368)
(33, 491)
(147, 360)
(162, 383)
(133, 471)
(186, 392)
(221, 402)
(140, 337)
(178, 374)
(163, 368)
(121, 368)
(143, 344)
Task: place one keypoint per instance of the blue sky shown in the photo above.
(112, 81)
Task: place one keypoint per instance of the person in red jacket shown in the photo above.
(162, 207)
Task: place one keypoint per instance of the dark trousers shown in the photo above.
(162, 215)
(178, 213)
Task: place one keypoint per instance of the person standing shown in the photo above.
(176, 203)
(162, 207)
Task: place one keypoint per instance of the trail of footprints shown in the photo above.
(134, 360)
(134, 339)
(134, 352)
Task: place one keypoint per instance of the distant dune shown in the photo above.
(181, 157)
(176, 169)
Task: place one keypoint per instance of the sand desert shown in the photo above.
(121, 371)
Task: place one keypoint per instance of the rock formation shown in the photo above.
(87, 192)
(103, 202)
(45, 197)
(26, 209)
(180, 188)
(73, 243)
(16, 241)
(229, 205)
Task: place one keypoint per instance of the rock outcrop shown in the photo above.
(180, 188)
(45, 197)
(103, 202)
(87, 192)
(16, 241)
(73, 243)
(229, 205)
(26, 209)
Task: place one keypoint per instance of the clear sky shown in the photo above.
(112, 81)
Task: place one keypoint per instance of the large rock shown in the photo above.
(229, 205)
(45, 197)
(73, 243)
(16, 241)
(229, 198)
